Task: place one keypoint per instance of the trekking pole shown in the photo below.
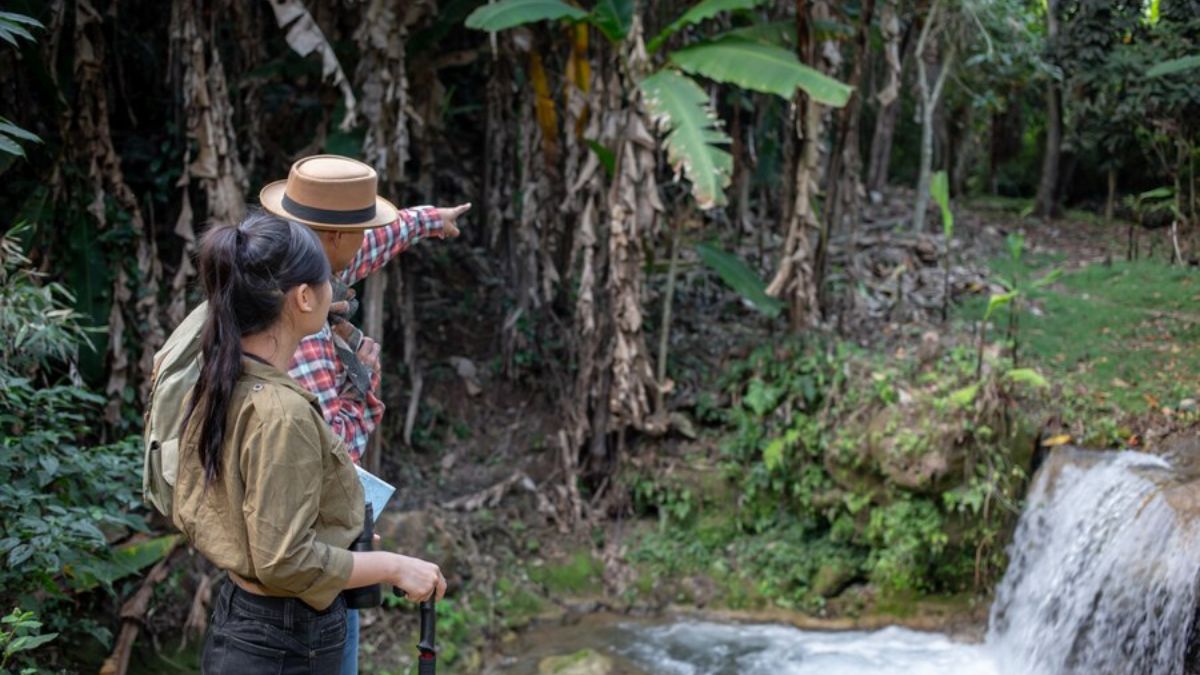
(427, 659)
(427, 664)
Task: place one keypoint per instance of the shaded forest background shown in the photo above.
(633, 167)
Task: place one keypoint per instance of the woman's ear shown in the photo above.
(306, 298)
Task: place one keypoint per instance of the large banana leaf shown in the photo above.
(740, 278)
(701, 11)
(760, 67)
(681, 108)
(510, 13)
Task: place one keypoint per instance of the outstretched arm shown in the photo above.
(381, 244)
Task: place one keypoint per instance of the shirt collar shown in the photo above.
(271, 374)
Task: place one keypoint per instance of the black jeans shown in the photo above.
(255, 635)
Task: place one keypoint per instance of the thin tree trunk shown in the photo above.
(1110, 201)
(964, 152)
(1044, 203)
(844, 182)
(881, 147)
(373, 326)
(929, 102)
(664, 339)
(896, 51)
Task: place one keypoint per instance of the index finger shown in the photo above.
(441, 587)
(461, 209)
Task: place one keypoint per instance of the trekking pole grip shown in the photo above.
(427, 661)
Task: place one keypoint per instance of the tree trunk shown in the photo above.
(1110, 201)
(881, 147)
(964, 151)
(896, 45)
(844, 184)
(373, 326)
(929, 101)
(925, 170)
(1045, 204)
(796, 276)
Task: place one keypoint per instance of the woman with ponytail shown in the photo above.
(264, 489)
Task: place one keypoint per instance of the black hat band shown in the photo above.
(328, 216)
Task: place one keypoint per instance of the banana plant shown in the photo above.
(692, 135)
(1016, 288)
(939, 189)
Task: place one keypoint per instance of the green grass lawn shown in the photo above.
(1128, 332)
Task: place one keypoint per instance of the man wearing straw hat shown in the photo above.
(361, 231)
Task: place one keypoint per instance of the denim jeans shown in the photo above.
(258, 635)
(350, 652)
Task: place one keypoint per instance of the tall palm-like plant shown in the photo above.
(748, 58)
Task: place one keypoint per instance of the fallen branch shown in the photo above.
(133, 614)
(491, 496)
(197, 620)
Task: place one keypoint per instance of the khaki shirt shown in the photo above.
(288, 503)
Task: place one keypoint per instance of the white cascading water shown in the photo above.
(1102, 581)
(1102, 574)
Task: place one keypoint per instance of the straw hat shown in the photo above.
(329, 192)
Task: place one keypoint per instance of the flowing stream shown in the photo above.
(1102, 581)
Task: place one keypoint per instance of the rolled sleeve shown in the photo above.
(283, 475)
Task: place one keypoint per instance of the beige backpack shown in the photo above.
(176, 369)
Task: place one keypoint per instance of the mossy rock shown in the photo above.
(924, 454)
(582, 662)
(832, 578)
(581, 573)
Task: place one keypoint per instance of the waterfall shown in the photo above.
(1103, 570)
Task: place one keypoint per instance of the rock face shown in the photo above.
(582, 662)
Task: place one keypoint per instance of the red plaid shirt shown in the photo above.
(315, 364)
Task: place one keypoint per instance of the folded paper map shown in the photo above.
(375, 491)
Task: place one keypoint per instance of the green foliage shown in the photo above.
(1124, 333)
(14, 26)
(578, 574)
(511, 13)
(693, 134)
(64, 498)
(20, 633)
(809, 431)
(701, 11)
(10, 134)
(679, 105)
(606, 157)
(939, 189)
(759, 67)
(37, 326)
(674, 504)
(614, 18)
(906, 539)
(1175, 66)
(740, 278)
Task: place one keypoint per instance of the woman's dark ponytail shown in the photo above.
(246, 270)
